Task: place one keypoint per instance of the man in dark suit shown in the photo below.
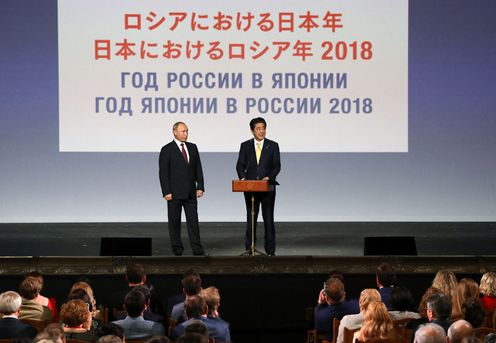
(385, 277)
(259, 159)
(181, 178)
(10, 325)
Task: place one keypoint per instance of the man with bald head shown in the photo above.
(430, 333)
(181, 179)
(461, 331)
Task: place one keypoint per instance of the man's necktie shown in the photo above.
(259, 152)
(185, 155)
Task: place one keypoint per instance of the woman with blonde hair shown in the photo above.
(487, 288)
(445, 281)
(353, 321)
(466, 289)
(377, 323)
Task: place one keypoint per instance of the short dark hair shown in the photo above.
(110, 329)
(386, 274)
(192, 338)
(30, 287)
(135, 273)
(134, 303)
(158, 339)
(474, 314)
(195, 306)
(256, 121)
(192, 285)
(440, 304)
(145, 290)
(401, 299)
(334, 290)
(197, 326)
(81, 294)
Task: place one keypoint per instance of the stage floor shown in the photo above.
(227, 239)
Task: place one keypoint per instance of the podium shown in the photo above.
(251, 186)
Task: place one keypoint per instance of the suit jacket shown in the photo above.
(216, 329)
(138, 327)
(324, 315)
(14, 328)
(385, 292)
(177, 177)
(270, 161)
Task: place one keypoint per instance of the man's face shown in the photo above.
(181, 133)
(259, 131)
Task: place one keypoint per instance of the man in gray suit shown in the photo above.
(134, 325)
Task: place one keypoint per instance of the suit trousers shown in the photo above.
(267, 200)
(174, 208)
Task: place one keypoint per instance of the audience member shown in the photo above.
(110, 339)
(148, 315)
(197, 326)
(192, 286)
(474, 314)
(212, 299)
(10, 325)
(135, 325)
(461, 332)
(430, 333)
(466, 289)
(158, 339)
(180, 297)
(490, 338)
(110, 329)
(51, 303)
(85, 286)
(76, 318)
(439, 310)
(30, 309)
(402, 303)
(54, 332)
(385, 277)
(488, 290)
(135, 276)
(334, 306)
(354, 321)
(445, 281)
(422, 309)
(192, 338)
(196, 308)
(377, 323)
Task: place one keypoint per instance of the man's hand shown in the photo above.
(168, 197)
(322, 297)
(199, 193)
(265, 178)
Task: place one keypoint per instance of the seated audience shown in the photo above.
(192, 286)
(180, 297)
(192, 338)
(51, 303)
(430, 333)
(385, 277)
(461, 332)
(95, 313)
(30, 308)
(135, 325)
(445, 281)
(76, 318)
(466, 289)
(334, 305)
(377, 323)
(10, 325)
(196, 308)
(422, 309)
(354, 321)
(54, 332)
(487, 289)
(135, 276)
(402, 302)
(158, 339)
(197, 326)
(148, 315)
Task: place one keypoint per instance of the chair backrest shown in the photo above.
(348, 335)
(335, 329)
(483, 332)
(40, 325)
(400, 326)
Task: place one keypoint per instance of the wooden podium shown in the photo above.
(251, 186)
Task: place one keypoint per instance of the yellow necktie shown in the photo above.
(259, 152)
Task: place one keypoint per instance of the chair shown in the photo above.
(480, 333)
(172, 324)
(348, 335)
(335, 329)
(40, 325)
(400, 326)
